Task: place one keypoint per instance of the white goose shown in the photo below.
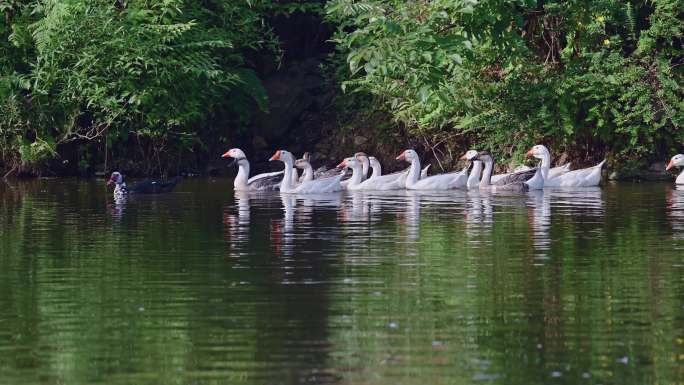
(448, 181)
(586, 177)
(266, 181)
(323, 185)
(677, 161)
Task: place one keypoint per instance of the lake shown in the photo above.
(204, 286)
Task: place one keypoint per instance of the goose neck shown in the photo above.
(287, 184)
(240, 182)
(487, 173)
(414, 172)
(545, 165)
(357, 175)
(475, 173)
(377, 170)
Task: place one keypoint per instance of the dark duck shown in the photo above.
(144, 187)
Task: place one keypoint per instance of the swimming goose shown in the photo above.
(677, 161)
(586, 177)
(448, 181)
(269, 181)
(516, 183)
(323, 185)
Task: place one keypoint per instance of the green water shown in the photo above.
(203, 287)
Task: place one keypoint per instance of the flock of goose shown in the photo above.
(476, 175)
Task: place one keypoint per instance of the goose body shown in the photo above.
(677, 161)
(448, 181)
(586, 177)
(316, 186)
(379, 182)
(553, 172)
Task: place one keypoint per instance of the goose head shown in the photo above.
(115, 178)
(302, 163)
(283, 156)
(351, 162)
(469, 155)
(676, 161)
(484, 156)
(236, 154)
(539, 151)
(408, 156)
(361, 156)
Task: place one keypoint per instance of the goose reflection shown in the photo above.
(411, 217)
(298, 211)
(355, 209)
(585, 200)
(675, 211)
(479, 213)
(236, 221)
(539, 219)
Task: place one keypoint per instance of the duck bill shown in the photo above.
(401, 156)
(111, 181)
(342, 164)
(226, 155)
(275, 156)
(669, 166)
(530, 153)
(463, 157)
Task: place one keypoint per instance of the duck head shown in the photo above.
(676, 161)
(115, 178)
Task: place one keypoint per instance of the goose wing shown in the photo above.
(520, 176)
(266, 181)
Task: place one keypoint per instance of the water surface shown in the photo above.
(203, 286)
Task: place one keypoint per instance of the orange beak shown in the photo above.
(342, 164)
(275, 156)
(530, 153)
(463, 157)
(226, 155)
(669, 165)
(401, 156)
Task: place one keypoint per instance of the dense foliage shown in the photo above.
(150, 74)
(156, 81)
(592, 76)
